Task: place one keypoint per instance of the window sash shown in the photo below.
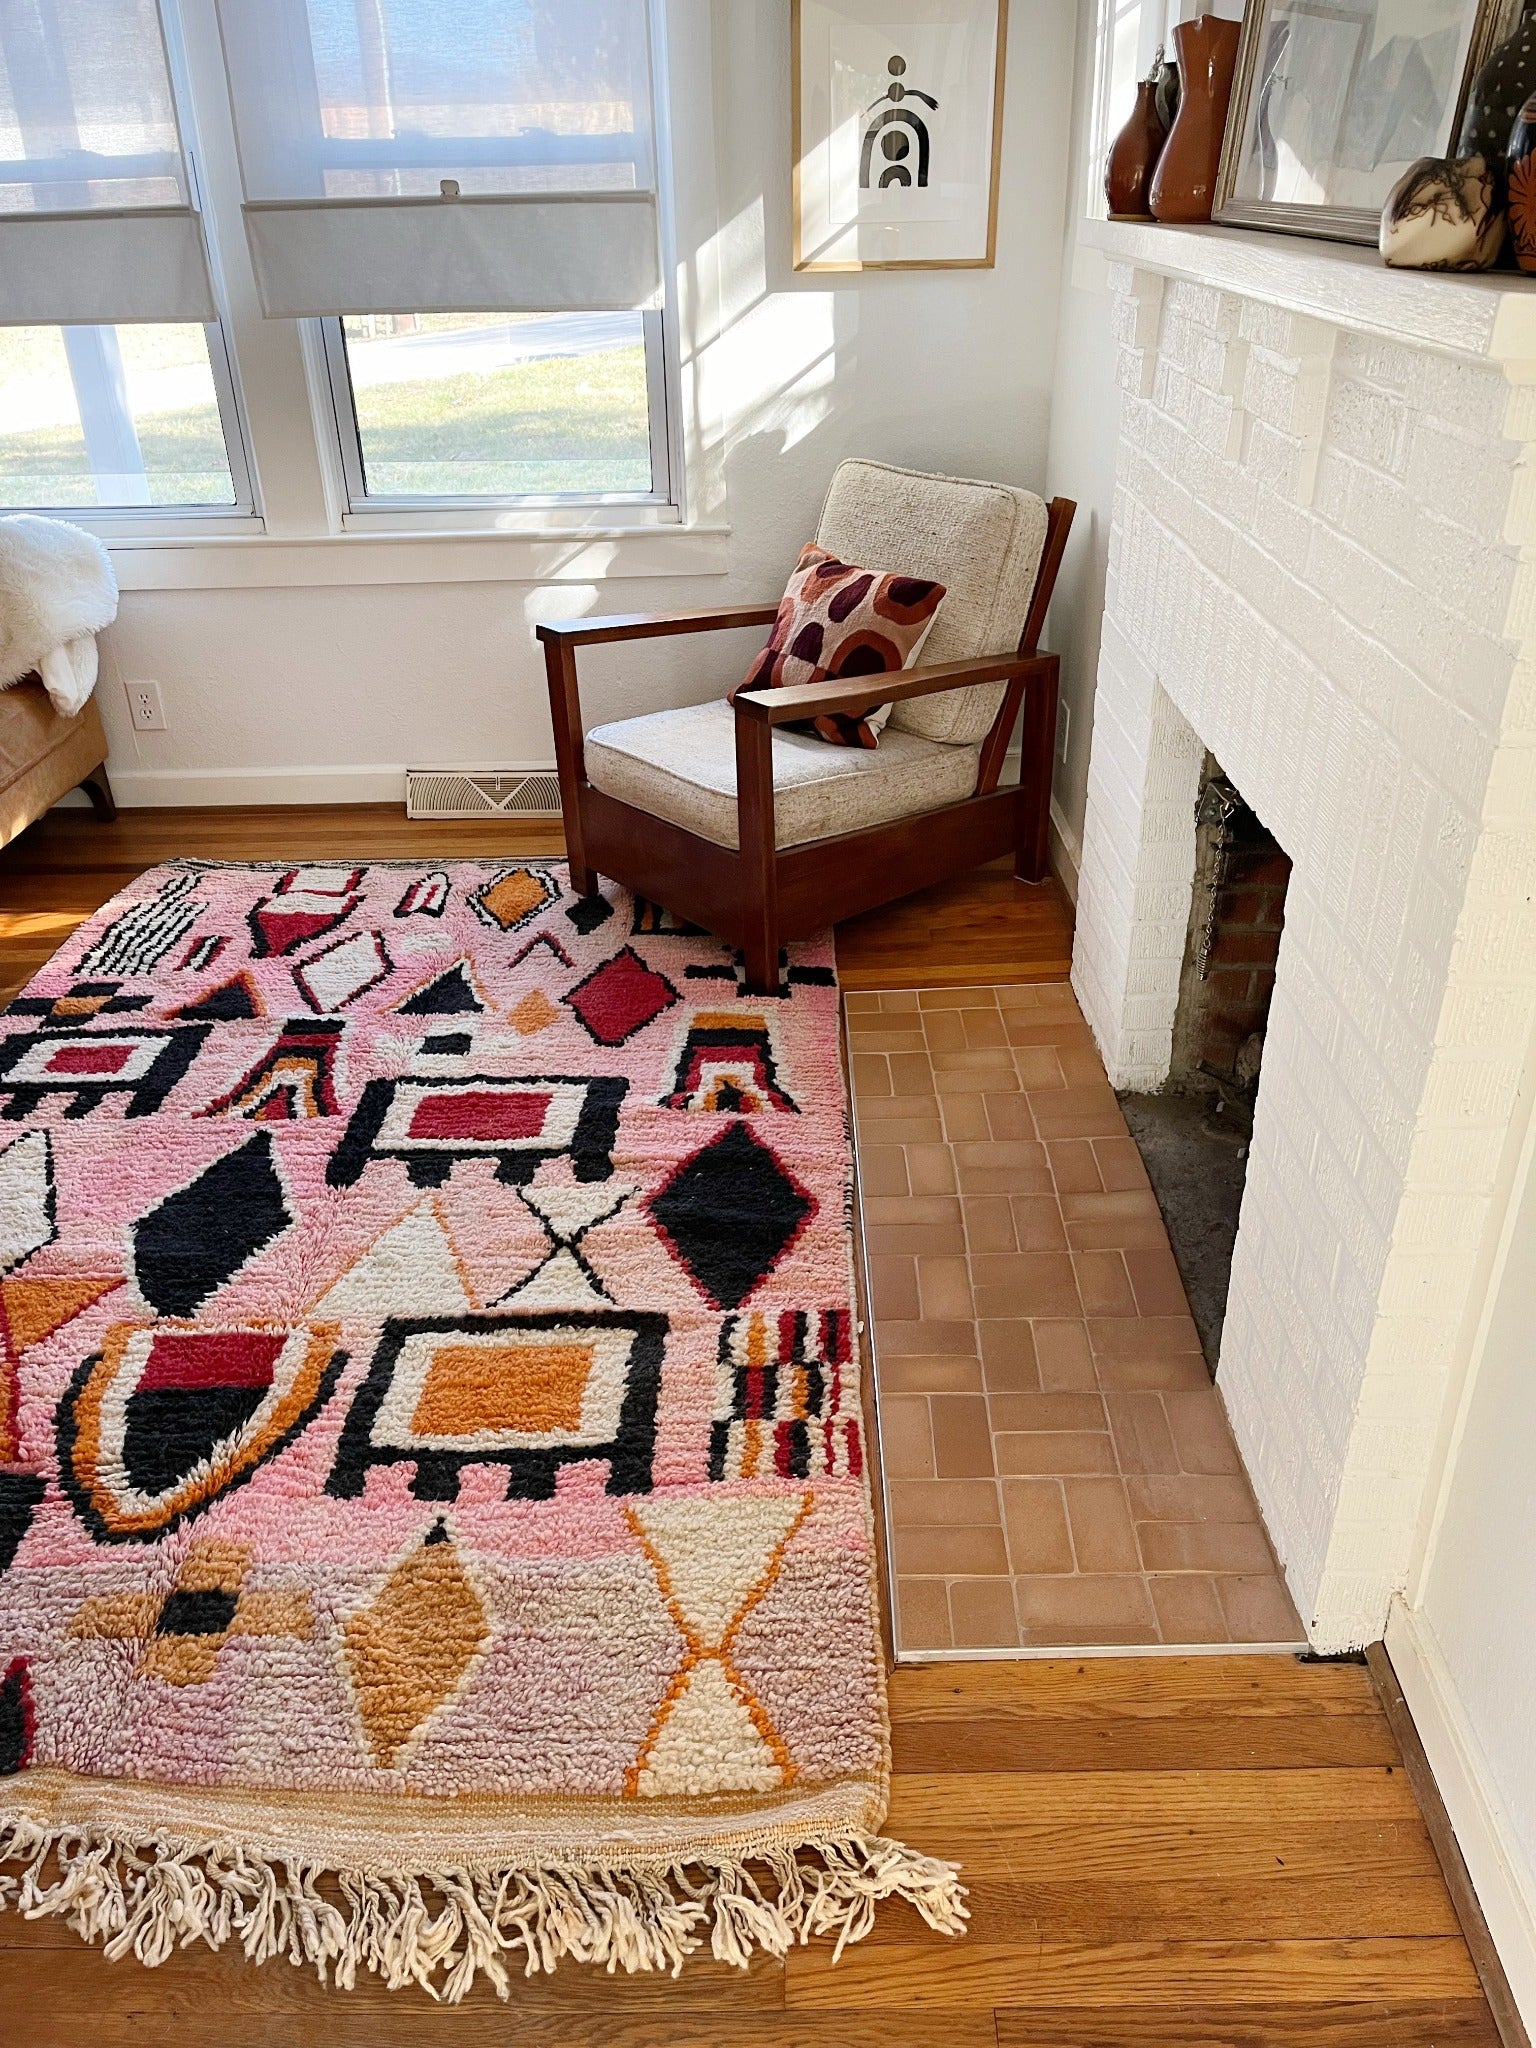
(368, 506)
(108, 426)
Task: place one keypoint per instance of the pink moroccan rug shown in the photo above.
(434, 1532)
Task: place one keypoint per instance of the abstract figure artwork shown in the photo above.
(897, 132)
(897, 127)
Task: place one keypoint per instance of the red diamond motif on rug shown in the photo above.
(621, 997)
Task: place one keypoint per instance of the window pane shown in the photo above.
(109, 416)
(478, 405)
(86, 117)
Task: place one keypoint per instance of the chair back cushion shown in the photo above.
(981, 541)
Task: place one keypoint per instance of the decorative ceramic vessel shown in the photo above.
(1500, 89)
(1165, 76)
(1522, 186)
(1133, 157)
(1184, 183)
(1444, 213)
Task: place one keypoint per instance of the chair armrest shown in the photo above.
(814, 700)
(648, 625)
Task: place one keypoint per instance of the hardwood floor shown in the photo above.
(1162, 1851)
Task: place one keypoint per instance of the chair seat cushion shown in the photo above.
(681, 765)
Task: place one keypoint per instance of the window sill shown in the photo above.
(555, 555)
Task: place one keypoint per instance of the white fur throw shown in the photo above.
(57, 591)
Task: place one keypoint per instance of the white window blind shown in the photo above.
(96, 220)
(445, 155)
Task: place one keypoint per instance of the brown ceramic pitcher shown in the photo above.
(1133, 157)
(1184, 183)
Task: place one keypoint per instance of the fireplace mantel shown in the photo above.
(1489, 315)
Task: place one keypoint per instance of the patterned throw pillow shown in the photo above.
(837, 622)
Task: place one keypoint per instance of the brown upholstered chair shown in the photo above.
(44, 755)
(762, 835)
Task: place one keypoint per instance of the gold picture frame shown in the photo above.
(826, 252)
(1490, 22)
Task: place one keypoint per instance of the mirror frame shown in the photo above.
(1494, 21)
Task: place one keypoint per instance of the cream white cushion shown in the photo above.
(682, 765)
(981, 541)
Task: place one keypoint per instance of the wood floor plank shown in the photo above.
(1151, 1799)
(1205, 1713)
(1136, 1853)
(1282, 1905)
(336, 2021)
(1076, 1687)
(1109, 1973)
(1427, 2023)
(78, 1984)
(1325, 1739)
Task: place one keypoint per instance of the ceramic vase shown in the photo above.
(1500, 89)
(1522, 186)
(1165, 76)
(1133, 157)
(1444, 213)
(1184, 183)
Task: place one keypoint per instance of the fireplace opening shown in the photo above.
(1194, 1133)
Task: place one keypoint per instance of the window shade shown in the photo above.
(445, 155)
(96, 221)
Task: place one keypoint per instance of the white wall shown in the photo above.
(950, 371)
(1085, 426)
(1466, 1649)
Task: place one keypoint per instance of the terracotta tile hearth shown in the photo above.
(1057, 1465)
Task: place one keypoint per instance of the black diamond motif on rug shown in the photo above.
(451, 995)
(203, 1234)
(588, 912)
(730, 1213)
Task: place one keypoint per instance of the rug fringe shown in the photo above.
(148, 1898)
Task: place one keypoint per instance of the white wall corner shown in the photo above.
(1503, 1880)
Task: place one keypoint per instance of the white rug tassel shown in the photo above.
(444, 1929)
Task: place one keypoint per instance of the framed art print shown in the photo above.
(897, 110)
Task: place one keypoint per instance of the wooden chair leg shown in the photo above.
(99, 790)
(762, 963)
(1032, 844)
(584, 880)
(758, 854)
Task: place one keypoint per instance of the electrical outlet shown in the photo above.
(144, 707)
(1063, 728)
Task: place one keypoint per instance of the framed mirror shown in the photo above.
(1333, 99)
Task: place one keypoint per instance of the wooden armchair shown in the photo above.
(761, 835)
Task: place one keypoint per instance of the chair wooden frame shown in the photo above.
(757, 894)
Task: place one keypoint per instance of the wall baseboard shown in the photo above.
(1504, 1882)
(1066, 852)
(136, 788)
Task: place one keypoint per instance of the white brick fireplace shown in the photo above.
(1321, 570)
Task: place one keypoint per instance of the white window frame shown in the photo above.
(100, 396)
(300, 528)
(462, 513)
